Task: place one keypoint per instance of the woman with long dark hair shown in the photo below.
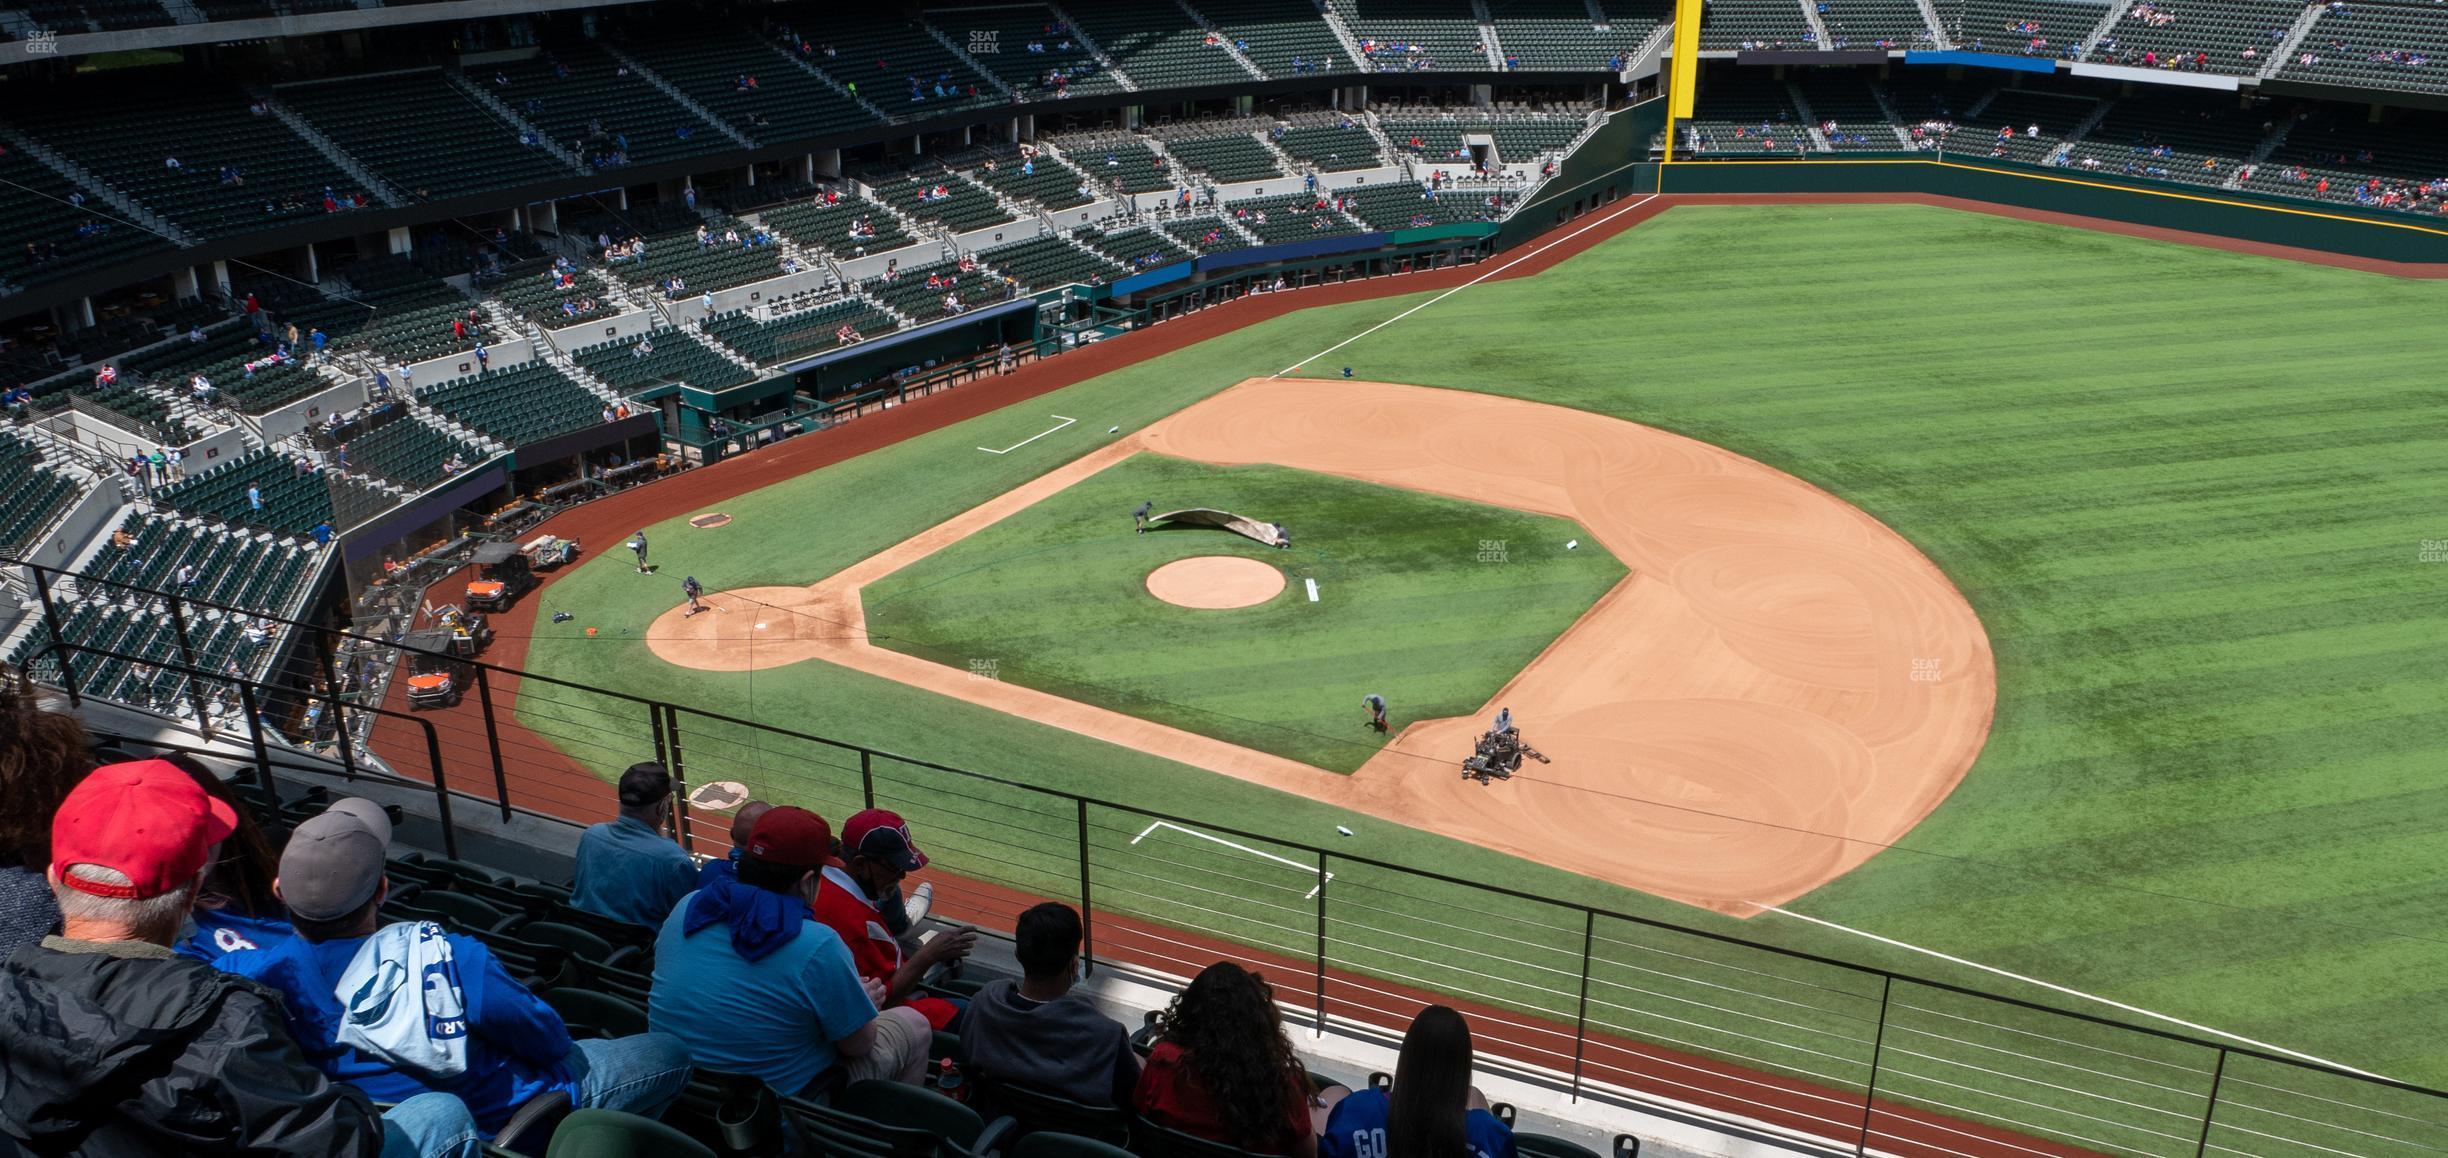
(1432, 1111)
(42, 755)
(1222, 1068)
(236, 908)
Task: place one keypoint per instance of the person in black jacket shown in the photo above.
(111, 1044)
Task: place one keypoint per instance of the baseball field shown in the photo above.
(2192, 497)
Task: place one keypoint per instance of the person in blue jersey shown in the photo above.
(1430, 1111)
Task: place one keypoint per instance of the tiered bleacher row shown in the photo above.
(33, 492)
(518, 405)
(801, 333)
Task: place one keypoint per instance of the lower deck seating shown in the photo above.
(909, 290)
(32, 492)
(1404, 205)
(1226, 157)
(519, 405)
(1288, 218)
(1332, 146)
(291, 495)
(655, 359)
(1046, 262)
(800, 333)
(408, 452)
(1204, 235)
(233, 568)
(850, 227)
(1118, 165)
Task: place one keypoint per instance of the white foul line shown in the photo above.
(1466, 285)
(1243, 847)
(2195, 1026)
(1032, 438)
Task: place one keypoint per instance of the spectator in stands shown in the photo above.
(1223, 1070)
(42, 756)
(168, 1055)
(254, 497)
(753, 985)
(627, 869)
(322, 533)
(743, 822)
(476, 1033)
(236, 907)
(876, 854)
(1036, 1033)
(1432, 1108)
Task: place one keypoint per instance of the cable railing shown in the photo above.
(1598, 1001)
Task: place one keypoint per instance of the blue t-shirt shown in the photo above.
(221, 932)
(516, 1043)
(1356, 1129)
(775, 1018)
(629, 872)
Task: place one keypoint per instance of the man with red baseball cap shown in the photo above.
(752, 985)
(876, 853)
(167, 1055)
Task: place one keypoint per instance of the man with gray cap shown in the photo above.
(398, 1010)
(627, 869)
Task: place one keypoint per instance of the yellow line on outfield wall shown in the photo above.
(2087, 184)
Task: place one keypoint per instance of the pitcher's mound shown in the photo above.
(1215, 582)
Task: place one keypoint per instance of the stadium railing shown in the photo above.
(1598, 1001)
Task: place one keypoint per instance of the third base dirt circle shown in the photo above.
(1215, 582)
(1781, 687)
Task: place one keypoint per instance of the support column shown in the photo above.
(220, 275)
(545, 216)
(400, 240)
(314, 269)
(84, 313)
(184, 284)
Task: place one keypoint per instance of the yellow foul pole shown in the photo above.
(1684, 79)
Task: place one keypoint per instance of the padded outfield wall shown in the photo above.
(2244, 216)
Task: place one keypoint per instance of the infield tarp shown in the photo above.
(1241, 525)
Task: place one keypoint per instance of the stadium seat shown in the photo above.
(590, 1014)
(1052, 1145)
(893, 1104)
(1036, 1110)
(611, 1134)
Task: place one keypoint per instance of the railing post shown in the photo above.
(867, 786)
(441, 780)
(679, 777)
(1087, 910)
(1321, 943)
(254, 725)
(662, 746)
(1589, 937)
(1878, 1043)
(51, 620)
(186, 650)
(331, 688)
(501, 775)
(2218, 1074)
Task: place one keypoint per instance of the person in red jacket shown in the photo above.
(876, 853)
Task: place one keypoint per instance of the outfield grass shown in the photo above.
(1413, 604)
(2186, 490)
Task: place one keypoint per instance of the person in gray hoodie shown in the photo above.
(1036, 1033)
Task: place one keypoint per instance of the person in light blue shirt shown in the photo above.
(627, 869)
(1431, 1110)
(751, 983)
